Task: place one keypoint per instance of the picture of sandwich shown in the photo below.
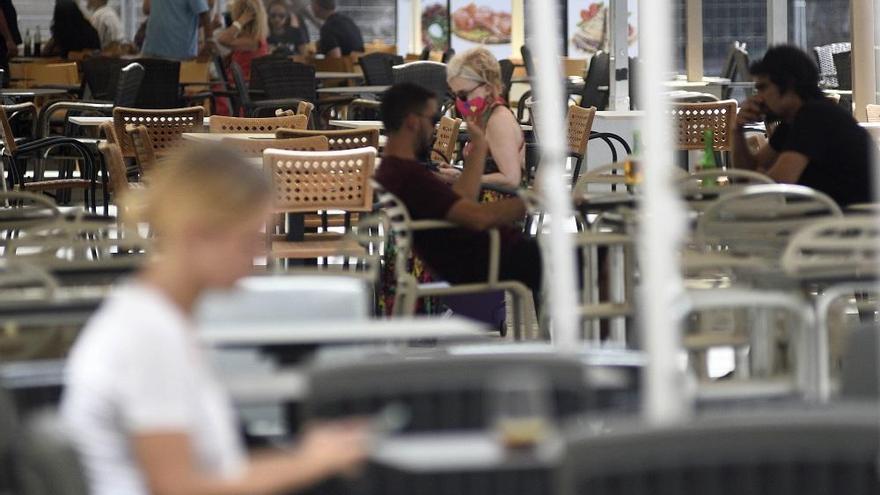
(589, 37)
(481, 24)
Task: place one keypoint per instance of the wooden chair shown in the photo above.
(144, 150)
(166, 126)
(118, 176)
(692, 119)
(238, 125)
(873, 113)
(447, 138)
(307, 182)
(66, 74)
(341, 64)
(302, 108)
(339, 140)
(255, 147)
(580, 124)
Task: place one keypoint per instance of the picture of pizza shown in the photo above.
(481, 24)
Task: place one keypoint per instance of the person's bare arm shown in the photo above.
(751, 111)
(505, 138)
(468, 183)
(788, 167)
(166, 460)
(207, 26)
(483, 216)
(231, 36)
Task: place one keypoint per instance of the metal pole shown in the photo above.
(662, 228)
(777, 22)
(559, 266)
(619, 47)
(800, 23)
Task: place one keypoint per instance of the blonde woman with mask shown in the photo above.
(475, 79)
(145, 409)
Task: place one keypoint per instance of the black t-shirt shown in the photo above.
(12, 21)
(456, 255)
(838, 149)
(339, 31)
(291, 36)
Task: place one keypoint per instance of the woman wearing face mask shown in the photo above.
(142, 402)
(475, 78)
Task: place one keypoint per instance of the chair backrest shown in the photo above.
(115, 167)
(580, 124)
(506, 76)
(443, 393)
(307, 181)
(129, 85)
(63, 74)
(46, 460)
(430, 75)
(101, 77)
(284, 78)
(7, 138)
(598, 75)
(237, 125)
(843, 67)
(873, 112)
(844, 248)
(447, 55)
(377, 68)
(341, 64)
(255, 147)
(165, 126)
(692, 119)
(446, 139)
(21, 210)
(825, 60)
(345, 139)
(760, 220)
(144, 150)
(786, 452)
(160, 87)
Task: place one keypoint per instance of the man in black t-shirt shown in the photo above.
(339, 34)
(817, 144)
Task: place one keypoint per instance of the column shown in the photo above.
(777, 22)
(694, 45)
(518, 30)
(619, 47)
(863, 56)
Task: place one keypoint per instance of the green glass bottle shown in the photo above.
(708, 161)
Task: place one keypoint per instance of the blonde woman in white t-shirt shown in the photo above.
(145, 409)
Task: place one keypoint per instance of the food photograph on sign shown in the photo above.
(435, 25)
(588, 27)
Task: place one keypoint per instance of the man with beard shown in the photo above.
(409, 113)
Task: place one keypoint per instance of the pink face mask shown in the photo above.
(474, 106)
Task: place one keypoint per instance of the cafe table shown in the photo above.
(353, 90)
(32, 92)
(377, 124)
(321, 75)
(95, 121)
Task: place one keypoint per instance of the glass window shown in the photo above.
(819, 22)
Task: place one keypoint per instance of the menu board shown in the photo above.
(588, 22)
(482, 22)
(435, 24)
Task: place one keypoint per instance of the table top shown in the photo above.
(216, 137)
(377, 124)
(620, 114)
(338, 75)
(340, 332)
(31, 92)
(94, 121)
(431, 453)
(353, 90)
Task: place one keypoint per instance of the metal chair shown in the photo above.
(160, 87)
(750, 452)
(100, 77)
(237, 125)
(760, 220)
(430, 75)
(825, 60)
(843, 68)
(834, 249)
(441, 393)
(595, 93)
(409, 290)
(701, 188)
(282, 78)
(256, 107)
(506, 76)
(377, 68)
(345, 139)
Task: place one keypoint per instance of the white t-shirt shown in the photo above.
(138, 368)
(108, 25)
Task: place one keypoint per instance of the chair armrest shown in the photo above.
(45, 115)
(18, 109)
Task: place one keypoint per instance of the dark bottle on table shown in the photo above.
(38, 42)
(27, 43)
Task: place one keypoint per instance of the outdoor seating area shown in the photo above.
(461, 247)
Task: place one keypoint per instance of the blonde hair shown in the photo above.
(259, 26)
(202, 185)
(478, 65)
